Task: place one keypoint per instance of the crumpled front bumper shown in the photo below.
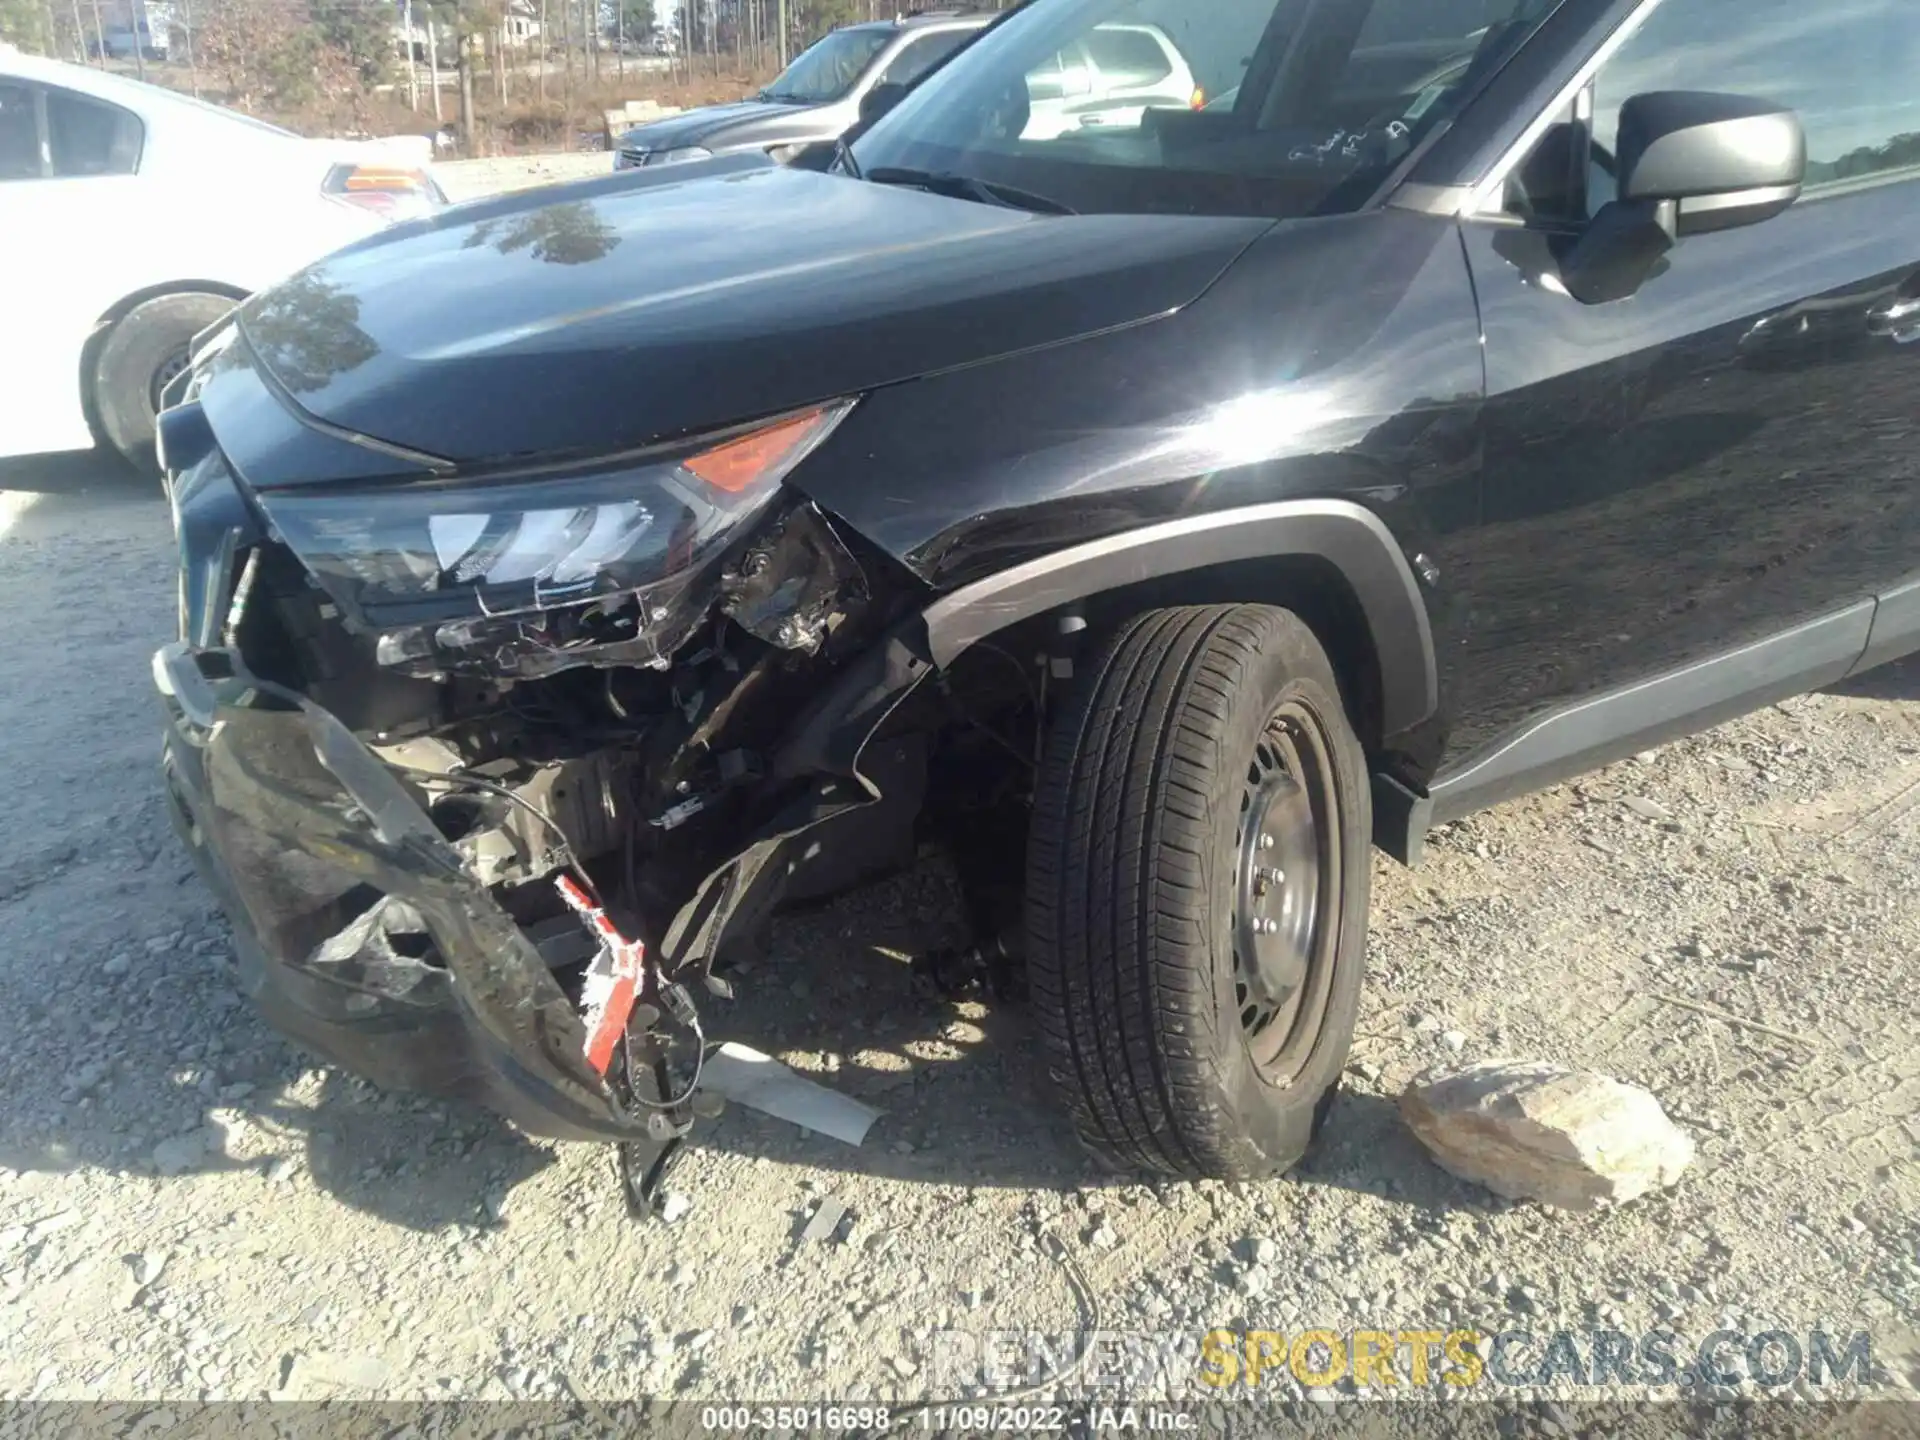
(361, 934)
(334, 878)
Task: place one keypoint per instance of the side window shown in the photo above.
(1848, 70)
(19, 134)
(1551, 185)
(922, 55)
(90, 137)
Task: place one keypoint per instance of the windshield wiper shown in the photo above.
(966, 187)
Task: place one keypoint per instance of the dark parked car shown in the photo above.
(1156, 515)
(816, 98)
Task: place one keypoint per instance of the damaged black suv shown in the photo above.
(1156, 505)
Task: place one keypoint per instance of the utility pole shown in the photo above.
(783, 33)
(141, 20)
(193, 70)
(540, 51)
(463, 56)
(99, 35)
(500, 64)
(413, 74)
(79, 34)
(433, 63)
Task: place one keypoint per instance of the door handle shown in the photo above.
(1900, 321)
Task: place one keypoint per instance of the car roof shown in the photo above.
(947, 20)
(119, 89)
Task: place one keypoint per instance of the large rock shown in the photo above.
(1533, 1131)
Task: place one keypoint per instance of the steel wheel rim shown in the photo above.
(164, 376)
(1286, 886)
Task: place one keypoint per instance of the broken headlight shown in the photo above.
(434, 554)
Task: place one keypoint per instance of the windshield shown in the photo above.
(830, 69)
(1231, 107)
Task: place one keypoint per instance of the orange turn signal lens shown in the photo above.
(381, 177)
(768, 453)
(1199, 101)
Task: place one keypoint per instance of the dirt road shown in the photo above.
(189, 1207)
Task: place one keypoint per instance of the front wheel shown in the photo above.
(1198, 876)
(143, 351)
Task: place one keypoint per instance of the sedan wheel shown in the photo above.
(142, 353)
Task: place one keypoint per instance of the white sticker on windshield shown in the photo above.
(1424, 102)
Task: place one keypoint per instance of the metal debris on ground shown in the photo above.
(760, 1082)
(827, 1216)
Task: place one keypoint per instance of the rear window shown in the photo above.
(89, 137)
(19, 135)
(922, 55)
(1128, 57)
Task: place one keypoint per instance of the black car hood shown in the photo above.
(602, 317)
(721, 125)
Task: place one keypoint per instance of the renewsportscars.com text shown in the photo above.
(1219, 1363)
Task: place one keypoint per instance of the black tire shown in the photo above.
(1142, 912)
(143, 350)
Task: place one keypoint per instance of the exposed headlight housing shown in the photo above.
(421, 564)
(676, 157)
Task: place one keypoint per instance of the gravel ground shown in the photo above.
(190, 1207)
(472, 179)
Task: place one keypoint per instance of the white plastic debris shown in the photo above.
(762, 1083)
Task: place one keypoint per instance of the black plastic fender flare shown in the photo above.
(828, 745)
(1349, 536)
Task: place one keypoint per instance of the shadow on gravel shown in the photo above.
(168, 1072)
(962, 1085)
(171, 1075)
(959, 1083)
(188, 1077)
(1898, 681)
(1367, 1149)
(83, 483)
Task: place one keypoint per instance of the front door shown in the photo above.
(1735, 448)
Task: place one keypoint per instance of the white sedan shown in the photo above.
(133, 217)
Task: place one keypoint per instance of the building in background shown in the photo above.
(520, 25)
(128, 27)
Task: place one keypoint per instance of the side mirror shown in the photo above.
(1688, 163)
(879, 100)
(1724, 160)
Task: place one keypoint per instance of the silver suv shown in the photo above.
(1109, 77)
(816, 98)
